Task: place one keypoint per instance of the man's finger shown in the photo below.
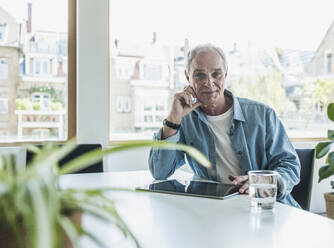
(240, 179)
(244, 187)
(192, 91)
(187, 96)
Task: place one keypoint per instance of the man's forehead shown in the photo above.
(207, 59)
(202, 70)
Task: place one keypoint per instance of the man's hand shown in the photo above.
(240, 180)
(182, 105)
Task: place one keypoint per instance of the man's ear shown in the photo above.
(187, 76)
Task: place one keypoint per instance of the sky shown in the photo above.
(48, 15)
(294, 24)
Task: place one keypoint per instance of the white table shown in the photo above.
(164, 220)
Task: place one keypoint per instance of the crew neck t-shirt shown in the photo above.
(226, 160)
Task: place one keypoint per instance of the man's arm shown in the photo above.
(281, 155)
(163, 163)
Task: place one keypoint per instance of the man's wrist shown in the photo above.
(174, 119)
(171, 124)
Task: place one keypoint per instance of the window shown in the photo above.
(42, 66)
(124, 68)
(33, 96)
(273, 61)
(119, 104)
(3, 69)
(3, 106)
(42, 99)
(127, 104)
(2, 32)
(328, 63)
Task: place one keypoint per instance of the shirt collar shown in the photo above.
(237, 112)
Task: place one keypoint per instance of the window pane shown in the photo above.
(33, 82)
(272, 58)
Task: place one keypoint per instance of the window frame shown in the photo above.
(71, 78)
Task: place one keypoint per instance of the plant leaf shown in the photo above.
(42, 229)
(91, 236)
(324, 172)
(330, 134)
(330, 111)
(93, 156)
(331, 161)
(322, 148)
(69, 229)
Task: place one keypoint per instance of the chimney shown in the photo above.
(29, 21)
(60, 71)
(186, 47)
(154, 40)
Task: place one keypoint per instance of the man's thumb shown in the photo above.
(196, 105)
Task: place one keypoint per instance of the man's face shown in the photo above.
(206, 76)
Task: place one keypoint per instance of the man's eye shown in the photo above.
(216, 74)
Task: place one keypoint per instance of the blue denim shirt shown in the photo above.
(258, 139)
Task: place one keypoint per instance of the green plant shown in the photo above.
(323, 148)
(23, 104)
(36, 211)
(36, 106)
(56, 105)
(56, 95)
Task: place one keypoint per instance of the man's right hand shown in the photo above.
(182, 105)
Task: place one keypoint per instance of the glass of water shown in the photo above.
(263, 188)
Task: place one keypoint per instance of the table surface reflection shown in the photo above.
(165, 220)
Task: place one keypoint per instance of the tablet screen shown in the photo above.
(194, 188)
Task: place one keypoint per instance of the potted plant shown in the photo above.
(35, 212)
(327, 170)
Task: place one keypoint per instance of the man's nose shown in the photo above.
(209, 80)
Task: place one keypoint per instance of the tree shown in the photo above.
(267, 89)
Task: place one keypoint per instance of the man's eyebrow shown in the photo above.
(201, 70)
(198, 70)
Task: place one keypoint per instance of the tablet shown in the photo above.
(193, 188)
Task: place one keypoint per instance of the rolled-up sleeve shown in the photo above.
(162, 162)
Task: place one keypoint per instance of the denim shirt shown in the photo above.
(258, 139)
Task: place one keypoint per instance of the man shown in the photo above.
(236, 134)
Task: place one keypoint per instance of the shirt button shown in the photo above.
(239, 152)
(230, 133)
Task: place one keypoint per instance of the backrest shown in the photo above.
(302, 191)
(79, 150)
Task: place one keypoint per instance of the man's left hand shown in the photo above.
(240, 180)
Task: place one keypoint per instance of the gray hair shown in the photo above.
(204, 48)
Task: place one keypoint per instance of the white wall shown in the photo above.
(131, 160)
(92, 71)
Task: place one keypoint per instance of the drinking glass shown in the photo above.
(263, 188)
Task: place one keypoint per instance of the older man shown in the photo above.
(236, 134)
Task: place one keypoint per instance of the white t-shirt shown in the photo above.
(226, 160)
